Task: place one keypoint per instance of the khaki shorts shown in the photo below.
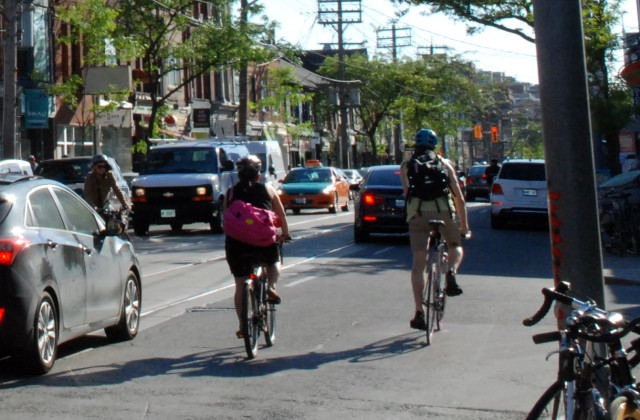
(419, 229)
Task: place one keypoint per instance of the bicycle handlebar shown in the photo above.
(556, 293)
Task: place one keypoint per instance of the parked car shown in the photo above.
(16, 166)
(73, 172)
(519, 191)
(353, 176)
(185, 182)
(63, 272)
(379, 206)
(314, 188)
(477, 183)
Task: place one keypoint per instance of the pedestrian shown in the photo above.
(448, 203)
(32, 161)
(491, 171)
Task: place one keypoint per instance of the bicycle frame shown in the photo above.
(434, 297)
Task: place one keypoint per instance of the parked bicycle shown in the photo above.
(620, 224)
(589, 385)
(258, 314)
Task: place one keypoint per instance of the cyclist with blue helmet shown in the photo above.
(450, 208)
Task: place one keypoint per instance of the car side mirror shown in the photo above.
(227, 165)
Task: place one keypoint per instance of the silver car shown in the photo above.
(63, 272)
(519, 192)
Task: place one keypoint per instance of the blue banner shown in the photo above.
(36, 109)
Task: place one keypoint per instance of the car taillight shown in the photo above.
(469, 181)
(1, 314)
(371, 199)
(496, 189)
(10, 248)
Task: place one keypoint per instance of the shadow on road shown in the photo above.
(225, 362)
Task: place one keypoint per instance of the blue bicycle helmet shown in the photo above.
(426, 138)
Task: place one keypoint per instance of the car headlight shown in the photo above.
(328, 190)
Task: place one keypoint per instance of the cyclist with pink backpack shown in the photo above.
(241, 249)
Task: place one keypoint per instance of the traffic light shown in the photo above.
(477, 131)
(494, 134)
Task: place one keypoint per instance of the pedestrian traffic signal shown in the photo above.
(477, 131)
(494, 134)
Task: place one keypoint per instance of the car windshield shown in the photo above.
(384, 178)
(309, 175)
(523, 172)
(181, 160)
(66, 172)
(477, 170)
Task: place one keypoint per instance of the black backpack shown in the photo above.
(427, 177)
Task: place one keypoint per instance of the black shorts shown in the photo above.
(242, 257)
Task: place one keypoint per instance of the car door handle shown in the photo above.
(51, 244)
(86, 250)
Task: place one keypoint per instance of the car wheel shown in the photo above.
(334, 207)
(360, 235)
(127, 326)
(217, 222)
(176, 227)
(497, 222)
(346, 206)
(43, 346)
(140, 228)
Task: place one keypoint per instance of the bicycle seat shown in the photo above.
(436, 224)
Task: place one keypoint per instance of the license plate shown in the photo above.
(167, 213)
(529, 192)
(399, 203)
(300, 201)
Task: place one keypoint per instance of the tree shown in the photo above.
(434, 92)
(164, 37)
(611, 106)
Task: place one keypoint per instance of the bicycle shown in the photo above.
(589, 386)
(620, 224)
(434, 298)
(258, 314)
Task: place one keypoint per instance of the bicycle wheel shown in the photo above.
(270, 324)
(250, 329)
(552, 404)
(441, 296)
(431, 312)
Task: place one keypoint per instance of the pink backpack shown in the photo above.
(251, 225)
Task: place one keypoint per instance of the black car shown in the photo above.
(379, 205)
(73, 172)
(63, 272)
(477, 183)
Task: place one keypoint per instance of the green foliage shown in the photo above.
(284, 90)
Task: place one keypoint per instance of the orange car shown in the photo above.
(314, 188)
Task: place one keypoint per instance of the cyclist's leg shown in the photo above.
(451, 234)
(419, 239)
(271, 258)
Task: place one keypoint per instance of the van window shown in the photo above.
(181, 160)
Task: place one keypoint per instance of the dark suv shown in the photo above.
(477, 183)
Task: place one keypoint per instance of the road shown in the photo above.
(344, 348)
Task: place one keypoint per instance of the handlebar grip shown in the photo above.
(544, 309)
(547, 337)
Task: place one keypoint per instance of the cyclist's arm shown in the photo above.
(116, 189)
(403, 177)
(458, 199)
(278, 208)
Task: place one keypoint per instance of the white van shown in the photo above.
(16, 166)
(273, 163)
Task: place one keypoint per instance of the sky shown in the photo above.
(491, 50)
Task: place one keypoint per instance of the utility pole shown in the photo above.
(573, 210)
(242, 80)
(10, 74)
(399, 38)
(331, 12)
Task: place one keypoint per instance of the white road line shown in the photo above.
(210, 292)
(383, 250)
(295, 283)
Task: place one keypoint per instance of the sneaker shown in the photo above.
(452, 288)
(418, 322)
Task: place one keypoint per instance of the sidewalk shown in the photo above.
(621, 269)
